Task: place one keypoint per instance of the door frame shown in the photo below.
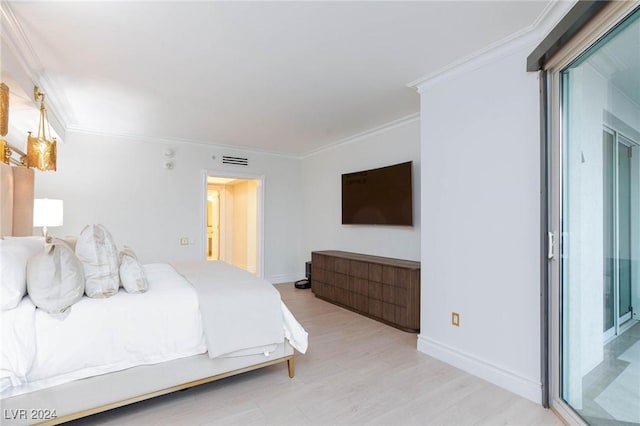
(259, 212)
(552, 147)
(221, 218)
(619, 138)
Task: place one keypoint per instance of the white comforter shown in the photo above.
(238, 310)
(104, 335)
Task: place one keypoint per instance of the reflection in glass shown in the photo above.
(601, 229)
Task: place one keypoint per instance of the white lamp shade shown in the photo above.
(47, 212)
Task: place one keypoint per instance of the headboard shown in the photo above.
(16, 200)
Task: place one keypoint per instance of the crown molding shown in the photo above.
(180, 141)
(136, 138)
(550, 15)
(359, 136)
(17, 41)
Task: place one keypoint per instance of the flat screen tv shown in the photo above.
(381, 196)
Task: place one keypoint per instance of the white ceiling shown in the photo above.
(287, 77)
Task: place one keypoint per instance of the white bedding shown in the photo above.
(18, 350)
(238, 310)
(99, 336)
(160, 325)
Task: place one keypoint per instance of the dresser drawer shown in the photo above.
(384, 289)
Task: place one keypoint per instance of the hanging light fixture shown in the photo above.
(4, 122)
(41, 151)
(4, 109)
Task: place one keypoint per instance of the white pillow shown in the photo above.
(97, 252)
(69, 240)
(13, 272)
(132, 275)
(55, 279)
(34, 244)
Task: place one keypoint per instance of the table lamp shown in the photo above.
(47, 212)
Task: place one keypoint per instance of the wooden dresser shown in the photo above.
(385, 289)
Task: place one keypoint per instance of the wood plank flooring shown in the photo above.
(357, 371)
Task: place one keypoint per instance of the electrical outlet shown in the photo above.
(184, 241)
(455, 319)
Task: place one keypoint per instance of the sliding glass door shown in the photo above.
(618, 305)
(623, 220)
(599, 221)
(617, 231)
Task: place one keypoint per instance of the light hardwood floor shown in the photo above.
(356, 371)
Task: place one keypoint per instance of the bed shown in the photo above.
(197, 322)
(111, 352)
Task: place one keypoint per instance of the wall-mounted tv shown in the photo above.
(382, 196)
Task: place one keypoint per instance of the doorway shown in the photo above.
(233, 220)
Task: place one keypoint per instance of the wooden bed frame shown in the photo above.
(84, 397)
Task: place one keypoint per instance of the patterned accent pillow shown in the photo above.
(99, 256)
(69, 240)
(132, 274)
(55, 279)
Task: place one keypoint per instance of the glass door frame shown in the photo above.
(590, 33)
(618, 139)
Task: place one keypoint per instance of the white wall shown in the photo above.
(480, 222)
(321, 202)
(122, 184)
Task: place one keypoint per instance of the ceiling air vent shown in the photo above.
(238, 161)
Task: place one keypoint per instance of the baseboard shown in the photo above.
(283, 278)
(492, 373)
